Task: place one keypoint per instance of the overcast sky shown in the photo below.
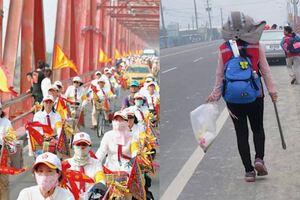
(182, 11)
(49, 19)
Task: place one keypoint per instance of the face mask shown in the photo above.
(46, 183)
(81, 156)
(138, 103)
(119, 126)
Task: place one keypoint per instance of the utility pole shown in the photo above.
(295, 2)
(208, 9)
(193, 22)
(165, 33)
(196, 15)
(221, 16)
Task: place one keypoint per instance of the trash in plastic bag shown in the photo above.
(203, 121)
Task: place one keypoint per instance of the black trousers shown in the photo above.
(254, 112)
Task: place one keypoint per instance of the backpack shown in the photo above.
(241, 84)
(293, 45)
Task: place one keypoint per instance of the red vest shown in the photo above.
(285, 44)
(251, 49)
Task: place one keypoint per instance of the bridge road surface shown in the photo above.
(187, 77)
(18, 182)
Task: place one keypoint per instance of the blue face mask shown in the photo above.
(138, 103)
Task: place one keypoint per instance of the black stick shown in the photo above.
(279, 126)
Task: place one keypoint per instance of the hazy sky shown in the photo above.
(49, 19)
(182, 11)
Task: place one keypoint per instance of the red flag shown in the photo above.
(11, 170)
(4, 169)
(136, 182)
(4, 158)
(62, 144)
(35, 137)
(72, 176)
(46, 128)
(94, 88)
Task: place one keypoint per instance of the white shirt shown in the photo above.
(109, 147)
(41, 116)
(70, 93)
(45, 85)
(136, 130)
(139, 112)
(103, 93)
(149, 97)
(94, 83)
(33, 193)
(5, 124)
(90, 170)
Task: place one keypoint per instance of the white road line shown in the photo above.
(188, 50)
(196, 60)
(169, 70)
(186, 172)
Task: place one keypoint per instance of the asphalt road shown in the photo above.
(187, 77)
(26, 179)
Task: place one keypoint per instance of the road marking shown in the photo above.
(196, 60)
(186, 172)
(169, 70)
(188, 50)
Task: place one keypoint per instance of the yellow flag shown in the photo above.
(130, 53)
(62, 61)
(103, 58)
(117, 54)
(3, 83)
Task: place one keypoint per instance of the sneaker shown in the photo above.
(250, 176)
(260, 167)
(293, 81)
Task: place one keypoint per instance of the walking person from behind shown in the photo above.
(292, 58)
(241, 64)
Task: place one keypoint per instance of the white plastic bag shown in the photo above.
(203, 121)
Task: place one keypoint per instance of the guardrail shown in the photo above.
(21, 117)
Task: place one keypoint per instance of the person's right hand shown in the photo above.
(210, 98)
(274, 96)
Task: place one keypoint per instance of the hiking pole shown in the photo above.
(279, 126)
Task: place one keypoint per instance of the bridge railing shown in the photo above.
(19, 114)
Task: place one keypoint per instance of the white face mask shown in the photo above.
(81, 156)
(119, 126)
(46, 183)
(138, 103)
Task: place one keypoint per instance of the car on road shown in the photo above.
(137, 72)
(271, 41)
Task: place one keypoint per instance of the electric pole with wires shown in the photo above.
(208, 9)
(295, 3)
(196, 15)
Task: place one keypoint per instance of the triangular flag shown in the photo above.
(117, 54)
(61, 108)
(103, 58)
(4, 84)
(136, 182)
(62, 61)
